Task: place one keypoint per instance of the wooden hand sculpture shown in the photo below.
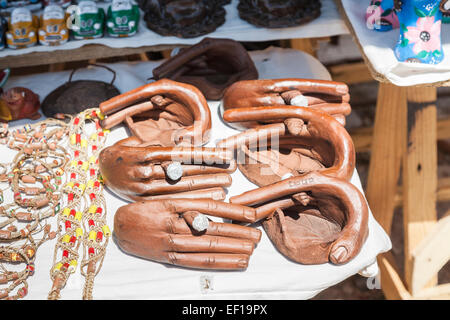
(177, 232)
(328, 96)
(137, 173)
(299, 140)
(211, 65)
(162, 113)
(313, 218)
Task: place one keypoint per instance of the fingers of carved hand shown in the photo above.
(207, 243)
(141, 173)
(224, 261)
(162, 186)
(345, 247)
(225, 229)
(157, 230)
(158, 171)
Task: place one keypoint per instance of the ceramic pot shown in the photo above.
(381, 16)
(420, 32)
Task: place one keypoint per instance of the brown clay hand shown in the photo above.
(328, 96)
(138, 173)
(299, 140)
(211, 65)
(311, 218)
(165, 113)
(177, 232)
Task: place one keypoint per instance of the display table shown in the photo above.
(377, 50)
(269, 275)
(328, 24)
(404, 135)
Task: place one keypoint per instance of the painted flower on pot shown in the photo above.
(420, 32)
(426, 36)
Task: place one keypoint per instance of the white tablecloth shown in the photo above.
(328, 24)
(378, 47)
(269, 275)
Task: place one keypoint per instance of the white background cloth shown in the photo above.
(379, 49)
(328, 24)
(269, 276)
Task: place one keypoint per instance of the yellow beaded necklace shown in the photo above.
(84, 217)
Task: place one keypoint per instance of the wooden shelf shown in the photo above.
(87, 52)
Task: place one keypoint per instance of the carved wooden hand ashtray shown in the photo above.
(162, 113)
(299, 140)
(211, 65)
(329, 96)
(313, 218)
(178, 232)
(144, 173)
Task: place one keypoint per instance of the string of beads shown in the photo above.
(34, 180)
(83, 220)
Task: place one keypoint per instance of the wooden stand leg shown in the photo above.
(387, 146)
(419, 176)
(305, 45)
(56, 67)
(166, 54)
(143, 56)
(406, 128)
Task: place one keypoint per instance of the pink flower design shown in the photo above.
(373, 15)
(426, 35)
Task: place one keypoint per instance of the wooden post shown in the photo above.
(419, 176)
(305, 45)
(387, 148)
(54, 67)
(166, 53)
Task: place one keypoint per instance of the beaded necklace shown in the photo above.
(84, 217)
(34, 179)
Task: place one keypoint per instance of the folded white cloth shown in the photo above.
(269, 275)
(378, 47)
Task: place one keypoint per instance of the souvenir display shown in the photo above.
(22, 29)
(76, 96)
(53, 30)
(211, 65)
(381, 15)
(420, 31)
(278, 13)
(297, 141)
(3, 28)
(90, 21)
(34, 179)
(144, 173)
(83, 219)
(163, 113)
(328, 96)
(19, 103)
(313, 218)
(178, 232)
(10, 5)
(183, 18)
(122, 18)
